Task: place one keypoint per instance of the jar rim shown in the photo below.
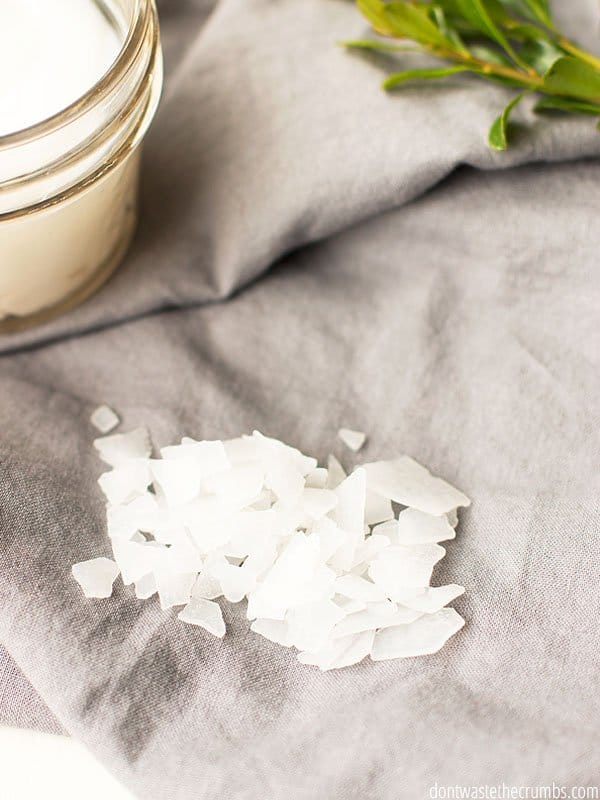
(98, 91)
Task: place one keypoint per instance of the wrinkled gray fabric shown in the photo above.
(457, 325)
(20, 705)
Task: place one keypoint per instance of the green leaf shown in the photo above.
(536, 10)
(565, 105)
(374, 11)
(384, 47)
(447, 30)
(477, 13)
(572, 77)
(541, 54)
(497, 137)
(408, 21)
(525, 32)
(422, 74)
(488, 54)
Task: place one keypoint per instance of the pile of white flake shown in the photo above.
(337, 566)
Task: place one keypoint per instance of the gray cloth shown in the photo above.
(457, 325)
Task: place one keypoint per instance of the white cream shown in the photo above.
(68, 197)
(53, 51)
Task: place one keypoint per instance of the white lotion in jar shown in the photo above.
(53, 51)
(85, 81)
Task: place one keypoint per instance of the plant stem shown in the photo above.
(582, 55)
(531, 80)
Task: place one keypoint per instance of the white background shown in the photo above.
(40, 766)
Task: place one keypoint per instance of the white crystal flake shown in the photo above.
(423, 636)
(324, 562)
(96, 576)
(358, 588)
(352, 439)
(397, 567)
(431, 599)
(377, 509)
(126, 482)
(206, 614)
(415, 527)
(120, 447)
(335, 472)
(406, 482)
(104, 419)
(145, 587)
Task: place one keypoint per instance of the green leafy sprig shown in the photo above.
(512, 42)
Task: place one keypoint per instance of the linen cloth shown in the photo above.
(315, 253)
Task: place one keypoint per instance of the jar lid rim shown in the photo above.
(97, 92)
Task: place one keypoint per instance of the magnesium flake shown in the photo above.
(338, 566)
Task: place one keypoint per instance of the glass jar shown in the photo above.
(68, 184)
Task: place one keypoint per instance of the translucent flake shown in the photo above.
(294, 577)
(104, 419)
(174, 589)
(330, 537)
(406, 482)
(426, 635)
(263, 502)
(236, 582)
(247, 531)
(289, 519)
(349, 515)
(242, 450)
(261, 559)
(350, 510)
(304, 464)
(377, 509)
(311, 624)
(209, 457)
(341, 652)
(205, 614)
(352, 439)
(96, 576)
(272, 629)
(415, 527)
(358, 588)
(145, 587)
(135, 559)
(238, 486)
(348, 604)
(120, 447)
(126, 481)
(355, 649)
(431, 599)
(182, 556)
(284, 479)
(335, 472)
(318, 502)
(388, 529)
(179, 479)
(369, 548)
(373, 618)
(397, 567)
(452, 517)
(207, 587)
(122, 521)
(206, 520)
(384, 608)
(317, 479)
(326, 656)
